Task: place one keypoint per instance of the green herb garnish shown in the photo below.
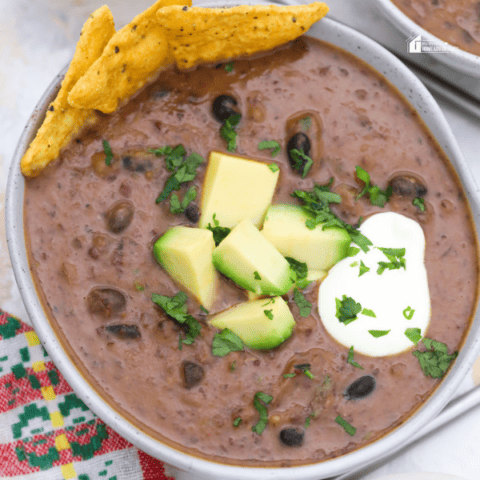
(289, 375)
(108, 152)
(204, 310)
(351, 354)
(237, 422)
(268, 314)
(179, 207)
(229, 67)
(219, 233)
(408, 313)
(233, 366)
(173, 155)
(308, 420)
(274, 145)
(305, 368)
(377, 196)
(396, 257)
(420, 203)
(414, 334)
(302, 162)
(304, 306)
(176, 308)
(347, 309)
(273, 167)
(378, 333)
(225, 342)
(436, 360)
(298, 272)
(346, 426)
(368, 313)
(363, 269)
(138, 286)
(228, 133)
(256, 275)
(352, 251)
(259, 402)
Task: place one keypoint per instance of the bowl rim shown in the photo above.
(388, 65)
(456, 58)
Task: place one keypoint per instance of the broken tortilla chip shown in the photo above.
(202, 35)
(62, 121)
(133, 57)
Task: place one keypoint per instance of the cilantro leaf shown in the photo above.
(301, 162)
(378, 333)
(268, 314)
(289, 375)
(305, 368)
(414, 334)
(304, 306)
(420, 203)
(259, 402)
(351, 354)
(396, 257)
(173, 155)
(229, 67)
(408, 313)
(377, 196)
(228, 133)
(346, 426)
(179, 207)
(219, 233)
(369, 313)
(175, 307)
(299, 272)
(256, 275)
(225, 342)
(352, 251)
(347, 309)
(108, 152)
(363, 268)
(435, 360)
(270, 144)
(273, 167)
(237, 422)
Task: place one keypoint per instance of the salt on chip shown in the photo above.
(202, 35)
(62, 122)
(133, 57)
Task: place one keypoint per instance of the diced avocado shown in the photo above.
(251, 261)
(236, 188)
(261, 324)
(186, 254)
(285, 228)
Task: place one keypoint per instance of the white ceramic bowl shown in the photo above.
(458, 59)
(414, 91)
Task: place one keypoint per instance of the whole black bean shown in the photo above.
(292, 437)
(119, 216)
(124, 331)
(106, 301)
(360, 388)
(136, 164)
(408, 186)
(299, 142)
(223, 107)
(192, 212)
(192, 374)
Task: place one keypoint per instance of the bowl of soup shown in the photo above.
(328, 128)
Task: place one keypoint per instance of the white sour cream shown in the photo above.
(391, 296)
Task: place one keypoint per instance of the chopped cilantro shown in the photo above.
(108, 152)
(271, 300)
(256, 275)
(435, 360)
(354, 264)
(305, 368)
(179, 207)
(414, 334)
(289, 375)
(225, 342)
(274, 145)
(138, 286)
(420, 203)
(346, 426)
(377, 196)
(368, 313)
(204, 310)
(298, 272)
(308, 420)
(408, 313)
(396, 257)
(233, 366)
(268, 314)
(347, 309)
(237, 422)
(378, 333)
(351, 354)
(363, 268)
(229, 67)
(219, 233)
(259, 402)
(352, 251)
(173, 155)
(299, 157)
(316, 203)
(306, 122)
(176, 308)
(273, 167)
(228, 133)
(304, 306)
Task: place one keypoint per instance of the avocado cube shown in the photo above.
(236, 188)
(261, 324)
(186, 254)
(251, 261)
(285, 228)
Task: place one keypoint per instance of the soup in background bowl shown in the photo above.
(126, 385)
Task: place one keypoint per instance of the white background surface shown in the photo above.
(37, 38)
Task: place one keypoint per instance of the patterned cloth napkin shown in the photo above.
(46, 431)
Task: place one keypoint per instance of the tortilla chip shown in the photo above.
(133, 57)
(62, 121)
(202, 35)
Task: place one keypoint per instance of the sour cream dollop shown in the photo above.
(399, 298)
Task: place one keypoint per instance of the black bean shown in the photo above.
(119, 216)
(136, 164)
(223, 107)
(299, 142)
(292, 437)
(408, 186)
(106, 301)
(124, 331)
(192, 374)
(192, 212)
(360, 388)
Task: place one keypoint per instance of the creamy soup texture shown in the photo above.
(187, 397)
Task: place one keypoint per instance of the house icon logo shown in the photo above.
(414, 44)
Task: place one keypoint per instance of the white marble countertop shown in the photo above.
(37, 38)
